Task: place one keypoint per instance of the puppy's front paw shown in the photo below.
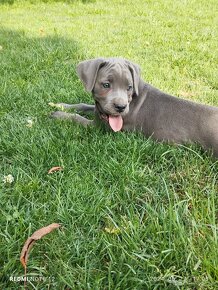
(57, 115)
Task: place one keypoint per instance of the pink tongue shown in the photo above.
(116, 123)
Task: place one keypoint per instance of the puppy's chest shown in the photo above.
(129, 122)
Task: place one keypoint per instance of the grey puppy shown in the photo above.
(125, 102)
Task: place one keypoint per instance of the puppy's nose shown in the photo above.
(120, 108)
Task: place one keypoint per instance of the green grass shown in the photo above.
(162, 199)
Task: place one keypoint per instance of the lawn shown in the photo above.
(135, 214)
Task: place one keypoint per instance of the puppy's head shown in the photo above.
(113, 82)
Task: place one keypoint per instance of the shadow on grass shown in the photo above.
(7, 2)
(11, 2)
(35, 71)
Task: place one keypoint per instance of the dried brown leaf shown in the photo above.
(37, 235)
(54, 169)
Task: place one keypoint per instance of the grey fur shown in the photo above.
(147, 109)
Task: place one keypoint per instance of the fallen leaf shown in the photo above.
(54, 169)
(37, 235)
(115, 231)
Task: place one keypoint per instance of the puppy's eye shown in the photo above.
(106, 85)
(129, 88)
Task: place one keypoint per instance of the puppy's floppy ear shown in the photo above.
(136, 72)
(87, 71)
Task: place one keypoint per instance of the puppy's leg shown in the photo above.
(78, 107)
(73, 117)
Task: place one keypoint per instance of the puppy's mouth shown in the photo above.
(115, 122)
